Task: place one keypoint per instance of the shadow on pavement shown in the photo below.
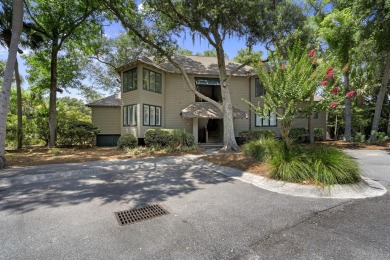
(149, 183)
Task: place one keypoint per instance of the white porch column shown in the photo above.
(195, 129)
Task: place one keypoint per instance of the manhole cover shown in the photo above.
(135, 215)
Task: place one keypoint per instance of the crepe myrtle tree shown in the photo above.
(291, 80)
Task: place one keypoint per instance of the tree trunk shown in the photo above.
(335, 129)
(381, 97)
(285, 127)
(17, 25)
(19, 106)
(310, 122)
(360, 101)
(53, 94)
(229, 140)
(348, 111)
(388, 127)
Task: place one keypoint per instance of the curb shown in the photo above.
(366, 188)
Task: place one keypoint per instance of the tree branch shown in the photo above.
(147, 40)
(40, 28)
(102, 61)
(238, 68)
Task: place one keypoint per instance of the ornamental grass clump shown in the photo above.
(330, 166)
(262, 149)
(323, 165)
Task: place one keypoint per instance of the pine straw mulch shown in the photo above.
(238, 161)
(43, 155)
(356, 146)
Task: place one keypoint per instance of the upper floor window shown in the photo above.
(130, 80)
(259, 88)
(152, 81)
(271, 120)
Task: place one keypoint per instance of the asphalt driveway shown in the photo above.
(66, 212)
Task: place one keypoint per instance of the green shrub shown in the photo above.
(379, 137)
(251, 135)
(330, 165)
(318, 134)
(302, 134)
(180, 138)
(299, 134)
(261, 149)
(359, 138)
(168, 137)
(76, 133)
(320, 164)
(127, 141)
(157, 137)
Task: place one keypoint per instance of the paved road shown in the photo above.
(211, 216)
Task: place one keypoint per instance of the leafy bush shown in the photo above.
(320, 164)
(180, 138)
(299, 134)
(318, 134)
(157, 137)
(330, 165)
(379, 137)
(127, 141)
(302, 134)
(76, 133)
(251, 135)
(359, 138)
(261, 149)
(168, 137)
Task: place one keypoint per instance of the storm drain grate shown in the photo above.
(136, 215)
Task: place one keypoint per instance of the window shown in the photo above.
(271, 120)
(152, 115)
(259, 88)
(152, 81)
(130, 80)
(130, 115)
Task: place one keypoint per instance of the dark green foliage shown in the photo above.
(380, 138)
(168, 137)
(157, 137)
(75, 132)
(299, 134)
(302, 134)
(319, 164)
(180, 138)
(127, 141)
(330, 165)
(251, 135)
(261, 149)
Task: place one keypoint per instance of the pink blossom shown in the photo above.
(283, 67)
(350, 94)
(335, 90)
(329, 75)
(314, 62)
(323, 83)
(311, 53)
(333, 104)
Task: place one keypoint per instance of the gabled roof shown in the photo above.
(208, 110)
(110, 101)
(196, 65)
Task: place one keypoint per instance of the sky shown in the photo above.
(231, 46)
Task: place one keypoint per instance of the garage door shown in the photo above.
(107, 140)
